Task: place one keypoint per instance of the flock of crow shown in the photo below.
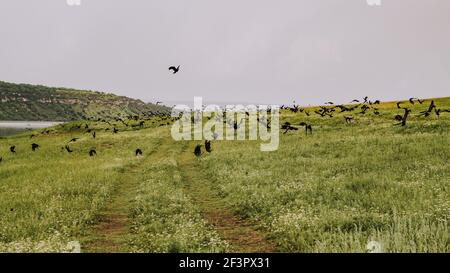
(85, 129)
(146, 116)
(358, 107)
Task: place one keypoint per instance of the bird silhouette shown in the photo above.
(174, 69)
(34, 146)
(411, 100)
(198, 150)
(288, 127)
(73, 139)
(439, 111)
(404, 118)
(308, 127)
(208, 146)
(12, 149)
(92, 152)
(115, 131)
(138, 152)
(430, 109)
(68, 149)
(348, 119)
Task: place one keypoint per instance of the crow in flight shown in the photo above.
(198, 150)
(34, 146)
(405, 116)
(288, 127)
(348, 119)
(68, 149)
(308, 127)
(430, 109)
(174, 69)
(208, 146)
(439, 111)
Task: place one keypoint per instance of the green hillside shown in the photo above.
(36, 102)
(340, 189)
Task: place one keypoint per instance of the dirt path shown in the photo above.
(109, 233)
(241, 234)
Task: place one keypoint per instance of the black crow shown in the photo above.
(174, 69)
(68, 149)
(34, 146)
(198, 150)
(348, 119)
(208, 146)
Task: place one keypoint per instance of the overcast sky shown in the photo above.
(258, 51)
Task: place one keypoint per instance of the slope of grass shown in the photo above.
(35, 102)
(346, 184)
(334, 191)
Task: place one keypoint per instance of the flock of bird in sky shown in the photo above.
(359, 107)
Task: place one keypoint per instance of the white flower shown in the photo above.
(374, 247)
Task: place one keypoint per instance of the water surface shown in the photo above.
(8, 128)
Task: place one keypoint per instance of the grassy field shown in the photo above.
(332, 191)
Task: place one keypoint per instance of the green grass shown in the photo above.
(345, 185)
(334, 191)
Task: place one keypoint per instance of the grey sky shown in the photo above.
(231, 50)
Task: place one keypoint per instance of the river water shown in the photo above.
(8, 128)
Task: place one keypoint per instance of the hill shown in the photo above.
(37, 102)
(338, 189)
